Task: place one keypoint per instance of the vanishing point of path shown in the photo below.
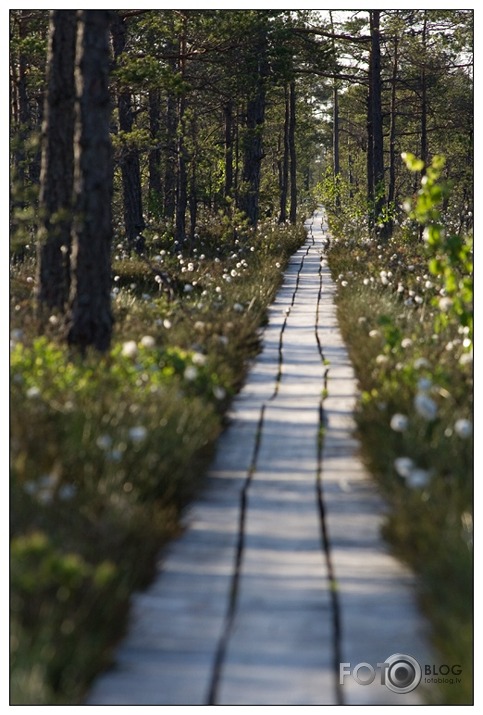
(281, 573)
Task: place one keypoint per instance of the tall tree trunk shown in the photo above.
(424, 108)
(377, 111)
(56, 180)
(26, 112)
(14, 122)
(193, 188)
(350, 167)
(182, 179)
(91, 317)
(335, 139)
(252, 157)
(392, 129)
(171, 124)
(253, 134)
(370, 152)
(155, 185)
(193, 205)
(171, 158)
(228, 184)
(22, 104)
(36, 158)
(377, 128)
(182, 173)
(14, 108)
(236, 168)
(293, 153)
(129, 161)
(284, 173)
(424, 98)
(335, 122)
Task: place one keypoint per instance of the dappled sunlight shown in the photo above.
(241, 355)
(255, 542)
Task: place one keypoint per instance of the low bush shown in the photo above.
(405, 310)
(107, 450)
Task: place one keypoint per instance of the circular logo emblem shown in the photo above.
(403, 673)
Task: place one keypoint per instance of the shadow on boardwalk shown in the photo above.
(281, 574)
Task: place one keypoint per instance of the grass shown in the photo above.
(107, 451)
(416, 383)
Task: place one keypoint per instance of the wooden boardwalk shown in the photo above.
(281, 573)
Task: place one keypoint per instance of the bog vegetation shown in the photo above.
(162, 165)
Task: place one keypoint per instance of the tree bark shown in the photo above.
(377, 127)
(56, 180)
(236, 168)
(182, 173)
(193, 205)
(349, 168)
(182, 180)
(129, 161)
(335, 123)
(193, 183)
(171, 124)
(91, 317)
(23, 100)
(335, 139)
(253, 134)
(155, 184)
(375, 137)
(14, 108)
(284, 172)
(171, 158)
(36, 158)
(392, 129)
(370, 152)
(293, 153)
(228, 184)
(424, 99)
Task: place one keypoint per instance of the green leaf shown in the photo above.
(435, 266)
(412, 162)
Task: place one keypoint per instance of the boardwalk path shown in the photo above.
(281, 573)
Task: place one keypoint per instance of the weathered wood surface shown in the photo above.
(281, 573)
